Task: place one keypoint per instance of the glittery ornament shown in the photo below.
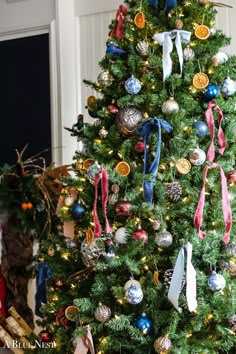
(197, 157)
(132, 85)
(134, 295)
(91, 252)
(112, 199)
(164, 239)
(143, 48)
(103, 133)
(188, 54)
(115, 188)
(174, 190)
(170, 107)
(121, 236)
(127, 120)
(163, 345)
(104, 78)
(71, 244)
(69, 201)
(228, 87)
(102, 313)
(232, 323)
(211, 92)
(216, 281)
(123, 209)
(131, 282)
(179, 24)
(144, 324)
(140, 234)
(201, 129)
(112, 109)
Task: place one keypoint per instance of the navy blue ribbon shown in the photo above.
(170, 4)
(43, 273)
(145, 129)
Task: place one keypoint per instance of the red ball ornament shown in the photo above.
(124, 208)
(231, 177)
(112, 109)
(140, 234)
(139, 147)
(45, 336)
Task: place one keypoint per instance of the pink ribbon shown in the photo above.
(103, 176)
(85, 344)
(118, 29)
(211, 127)
(225, 204)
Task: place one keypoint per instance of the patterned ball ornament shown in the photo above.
(216, 282)
(144, 324)
(211, 92)
(123, 209)
(132, 85)
(228, 87)
(127, 120)
(102, 313)
(78, 210)
(121, 236)
(197, 157)
(201, 129)
(164, 239)
(104, 78)
(163, 345)
(131, 282)
(170, 107)
(134, 295)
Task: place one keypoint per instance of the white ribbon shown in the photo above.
(177, 278)
(165, 39)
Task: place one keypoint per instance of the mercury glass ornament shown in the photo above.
(216, 281)
(91, 252)
(127, 120)
(163, 345)
(121, 236)
(164, 239)
(103, 133)
(143, 48)
(170, 107)
(228, 87)
(134, 295)
(197, 157)
(104, 78)
(102, 313)
(188, 54)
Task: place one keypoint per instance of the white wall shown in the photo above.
(226, 20)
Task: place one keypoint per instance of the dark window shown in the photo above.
(24, 98)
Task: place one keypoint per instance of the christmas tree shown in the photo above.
(151, 264)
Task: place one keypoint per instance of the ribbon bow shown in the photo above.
(211, 127)
(103, 176)
(225, 204)
(43, 273)
(165, 39)
(145, 129)
(118, 29)
(176, 283)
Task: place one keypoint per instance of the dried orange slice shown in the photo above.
(183, 166)
(71, 313)
(90, 101)
(200, 81)
(123, 168)
(202, 32)
(88, 163)
(139, 20)
(89, 235)
(156, 277)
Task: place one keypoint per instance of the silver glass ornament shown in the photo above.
(127, 120)
(170, 107)
(163, 239)
(188, 54)
(103, 133)
(104, 78)
(102, 313)
(216, 281)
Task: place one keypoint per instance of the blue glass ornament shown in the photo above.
(216, 281)
(201, 129)
(211, 92)
(144, 324)
(78, 211)
(132, 85)
(228, 87)
(134, 294)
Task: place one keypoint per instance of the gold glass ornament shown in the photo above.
(163, 345)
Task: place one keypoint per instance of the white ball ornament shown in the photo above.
(121, 236)
(220, 57)
(197, 157)
(216, 282)
(228, 87)
(131, 282)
